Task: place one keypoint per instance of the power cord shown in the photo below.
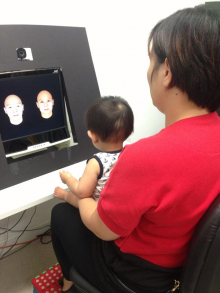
(46, 233)
(5, 240)
(7, 230)
(41, 236)
(3, 256)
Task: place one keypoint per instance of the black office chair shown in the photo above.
(201, 273)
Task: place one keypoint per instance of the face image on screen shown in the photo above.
(32, 109)
(14, 108)
(45, 103)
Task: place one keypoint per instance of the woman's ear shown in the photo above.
(93, 136)
(167, 74)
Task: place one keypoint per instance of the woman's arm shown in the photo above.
(85, 186)
(91, 219)
(72, 199)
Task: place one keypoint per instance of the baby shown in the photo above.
(109, 122)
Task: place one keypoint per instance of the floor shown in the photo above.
(17, 270)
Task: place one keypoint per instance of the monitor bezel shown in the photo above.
(31, 73)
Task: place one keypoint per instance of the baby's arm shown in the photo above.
(85, 186)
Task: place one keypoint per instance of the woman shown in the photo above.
(138, 234)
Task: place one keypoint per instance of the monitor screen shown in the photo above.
(32, 110)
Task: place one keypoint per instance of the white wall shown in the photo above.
(117, 31)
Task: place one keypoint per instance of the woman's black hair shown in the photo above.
(111, 118)
(190, 40)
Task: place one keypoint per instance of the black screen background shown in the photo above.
(27, 88)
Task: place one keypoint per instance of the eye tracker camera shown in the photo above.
(24, 54)
(21, 53)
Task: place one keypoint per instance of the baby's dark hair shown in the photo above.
(110, 118)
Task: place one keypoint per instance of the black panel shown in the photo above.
(52, 47)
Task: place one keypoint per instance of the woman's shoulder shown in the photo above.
(148, 143)
(142, 150)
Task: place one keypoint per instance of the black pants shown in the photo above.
(72, 243)
(102, 263)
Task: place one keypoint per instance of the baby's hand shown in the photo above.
(64, 176)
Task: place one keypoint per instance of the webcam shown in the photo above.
(24, 54)
(21, 53)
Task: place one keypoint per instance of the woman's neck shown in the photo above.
(170, 119)
(180, 107)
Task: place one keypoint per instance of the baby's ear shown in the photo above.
(89, 134)
(5, 111)
(93, 136)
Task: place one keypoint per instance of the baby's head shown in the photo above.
(14, 109)
(111, 119)
(45, 104)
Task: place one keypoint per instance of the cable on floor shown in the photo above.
(7, 230)
(19, 235)
(41, 236)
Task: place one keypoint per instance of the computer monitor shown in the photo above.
(32, 111)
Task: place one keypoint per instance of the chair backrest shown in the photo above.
(201, 273)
